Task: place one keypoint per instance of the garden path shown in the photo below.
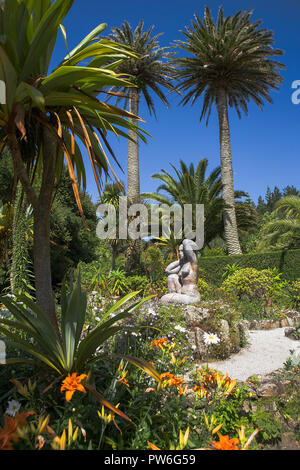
(266, 352)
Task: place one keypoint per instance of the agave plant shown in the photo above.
(66, 351)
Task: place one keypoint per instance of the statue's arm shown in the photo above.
(173, 268)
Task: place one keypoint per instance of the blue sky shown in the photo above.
(265, 145)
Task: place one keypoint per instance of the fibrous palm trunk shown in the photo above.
(41, 244)
(229, 215)
(133, 182)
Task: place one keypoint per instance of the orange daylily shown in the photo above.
(225, 443)
(9, 433)
(73, 383)
(172, 381)
(123, 380)
(159, 343)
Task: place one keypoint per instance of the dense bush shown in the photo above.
(295, 293)
(287, 262)
(203, 288)
(249, 282)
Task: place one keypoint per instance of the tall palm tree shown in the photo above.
(150, 73)
(230, 64)
(192, 186)
(284, 231)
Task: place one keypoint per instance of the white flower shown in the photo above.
(97, 319)
(13, 408)
(210, 338)
(94, 292)
(151, 311)
(180, 328)
(134, 334)
(194, 347)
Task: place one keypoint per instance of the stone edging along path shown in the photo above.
(267, 350)
(290, 319)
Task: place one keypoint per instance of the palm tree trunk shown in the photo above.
(133, 168)
(41, 244)
(229, 215)
(133, 182)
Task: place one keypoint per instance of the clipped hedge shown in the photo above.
(287, 261)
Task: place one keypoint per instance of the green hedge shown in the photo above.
(287, 261)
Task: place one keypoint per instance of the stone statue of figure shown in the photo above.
(183, 276)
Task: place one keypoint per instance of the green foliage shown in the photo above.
(251, 283)
(284, 230)
(295, 292)
(61, 351)
(149, 71)
(203, 288)
(213, 252)
(71, 242)
(192, 185)
(230, 269)
(227, 46)
(271, 429)
(153, 262)
(286, 261)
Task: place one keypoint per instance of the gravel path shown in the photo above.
(267, 351)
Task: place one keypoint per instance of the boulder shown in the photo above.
(224, 330)
(196, 315)
(267, 390)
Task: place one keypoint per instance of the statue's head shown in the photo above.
(181, 252)
(190, 249)
(189, 245)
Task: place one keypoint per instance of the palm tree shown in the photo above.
(111, 195)
(150, 74)
(46, 113)
(284, 231)
(230, 64)
(192, 186)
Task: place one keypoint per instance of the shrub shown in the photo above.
(138, 283)
(203, 288)
(153, 262)
(249, 282)
(295, 293)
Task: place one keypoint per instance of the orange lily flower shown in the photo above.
(159, 343)
(9, 434)
(73, 383)
(172, 381)
(225, 443)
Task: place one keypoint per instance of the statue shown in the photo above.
(183, 276)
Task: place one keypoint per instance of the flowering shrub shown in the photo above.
(249, 282)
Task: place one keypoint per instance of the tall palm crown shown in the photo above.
(230, 64)
(231, 53)
(148, 72)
